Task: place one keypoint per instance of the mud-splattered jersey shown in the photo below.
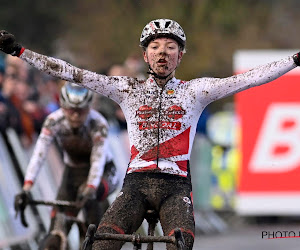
(83, 147)
(161, 120)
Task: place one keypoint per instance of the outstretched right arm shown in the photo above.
(61, 69)
(112, 87)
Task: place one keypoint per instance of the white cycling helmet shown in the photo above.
(74, 96)
(162, 28)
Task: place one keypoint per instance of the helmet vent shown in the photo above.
(157, 24)
(167, 24)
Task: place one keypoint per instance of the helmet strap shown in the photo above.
(151, 72)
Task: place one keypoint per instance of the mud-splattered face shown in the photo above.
(76, 116)
(163, 55)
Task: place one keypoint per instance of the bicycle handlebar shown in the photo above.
(58, 203)
(135, 238)
(91, 236)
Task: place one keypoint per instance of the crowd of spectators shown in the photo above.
(26, 98)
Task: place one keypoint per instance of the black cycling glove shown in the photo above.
(296, 58)
(88, 193)
(8, 44)
(21, 200)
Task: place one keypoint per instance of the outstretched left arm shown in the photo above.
(217, 88)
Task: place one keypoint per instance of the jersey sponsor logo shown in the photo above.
(150, 92)
(145, 112)
(277, 147)
(170, 91)
(163, 125)
(175, 112)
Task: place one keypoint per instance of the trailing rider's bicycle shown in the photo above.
(136, 239)
(57, 238)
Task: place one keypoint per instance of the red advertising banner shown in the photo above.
(270, 140)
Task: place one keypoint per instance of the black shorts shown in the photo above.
(169, 195)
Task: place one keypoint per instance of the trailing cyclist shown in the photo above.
(81, 134)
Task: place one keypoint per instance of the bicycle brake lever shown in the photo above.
(21, 210)
(23, 218)
(20, 205)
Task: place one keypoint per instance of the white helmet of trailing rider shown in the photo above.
(162, 28)
(75, 96)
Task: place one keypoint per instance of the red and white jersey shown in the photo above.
(161, 120)
(85, 147)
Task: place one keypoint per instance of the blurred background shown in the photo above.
(103, 36)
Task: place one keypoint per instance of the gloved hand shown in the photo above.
(8, 44)
(88, 193)
(21, 200)
(296, 58)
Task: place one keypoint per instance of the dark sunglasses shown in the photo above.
(80, 111)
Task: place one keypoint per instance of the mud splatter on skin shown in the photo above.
(162, 55)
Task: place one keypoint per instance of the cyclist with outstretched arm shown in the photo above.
(81, 134)
(162, 113)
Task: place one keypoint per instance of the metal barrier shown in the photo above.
(11, 230)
